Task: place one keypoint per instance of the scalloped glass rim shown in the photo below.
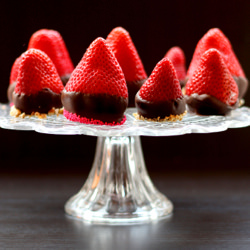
(191, 123)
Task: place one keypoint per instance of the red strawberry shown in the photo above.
(14, 70)
(161, 94)
(98, 72)
(163, 83)
(13, 77)
(177, 57)
(52, 43)
(124, 49)
(213, 78)
(37, 72)
(37, 75)
(214, 38)
(96, 92)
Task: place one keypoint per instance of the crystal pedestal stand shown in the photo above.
(118, 189)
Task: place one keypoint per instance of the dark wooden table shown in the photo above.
(211, 212)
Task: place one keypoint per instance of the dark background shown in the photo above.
(155, 26)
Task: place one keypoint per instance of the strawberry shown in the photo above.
(96, 92)
(98, 72)
(163, 83)
(212, 77)
(14, 70)
(214, 38)
(13, 77)
(124, 49)
(37, 72)
(52, 43)
(177, 57)
(161, 95)
(36, 75)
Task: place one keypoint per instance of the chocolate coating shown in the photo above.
(183, 82)
(160, 109)
(10, 91)
(133, 88)
(242, 83)
(101, 107)
(208, 105)
(41, 102)
(65, 78)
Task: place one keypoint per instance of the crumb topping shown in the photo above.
(241, 102)
(171, 118)
(18, 113)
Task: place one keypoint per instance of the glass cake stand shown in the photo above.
(118, 189)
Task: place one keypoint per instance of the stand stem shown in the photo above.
(118, 189)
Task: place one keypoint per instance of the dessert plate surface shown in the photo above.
(132, 127)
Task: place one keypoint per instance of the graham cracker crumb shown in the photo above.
(16, 112)
(55, 111)
(61, 111)
(241, 102)
(171, 118)
(52, 111)
(22, 115)
(40, 116)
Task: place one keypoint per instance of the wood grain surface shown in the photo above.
(211, 212)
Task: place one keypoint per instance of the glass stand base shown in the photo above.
(118, 189)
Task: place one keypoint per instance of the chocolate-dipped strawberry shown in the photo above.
(177, 57)
(125, 51)
(96, 92)
(211, 90)
(52, 43)
(214, 38)
(38, 85)
(13, 77)
(160, 98)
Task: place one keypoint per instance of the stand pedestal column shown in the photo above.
(118, 189)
